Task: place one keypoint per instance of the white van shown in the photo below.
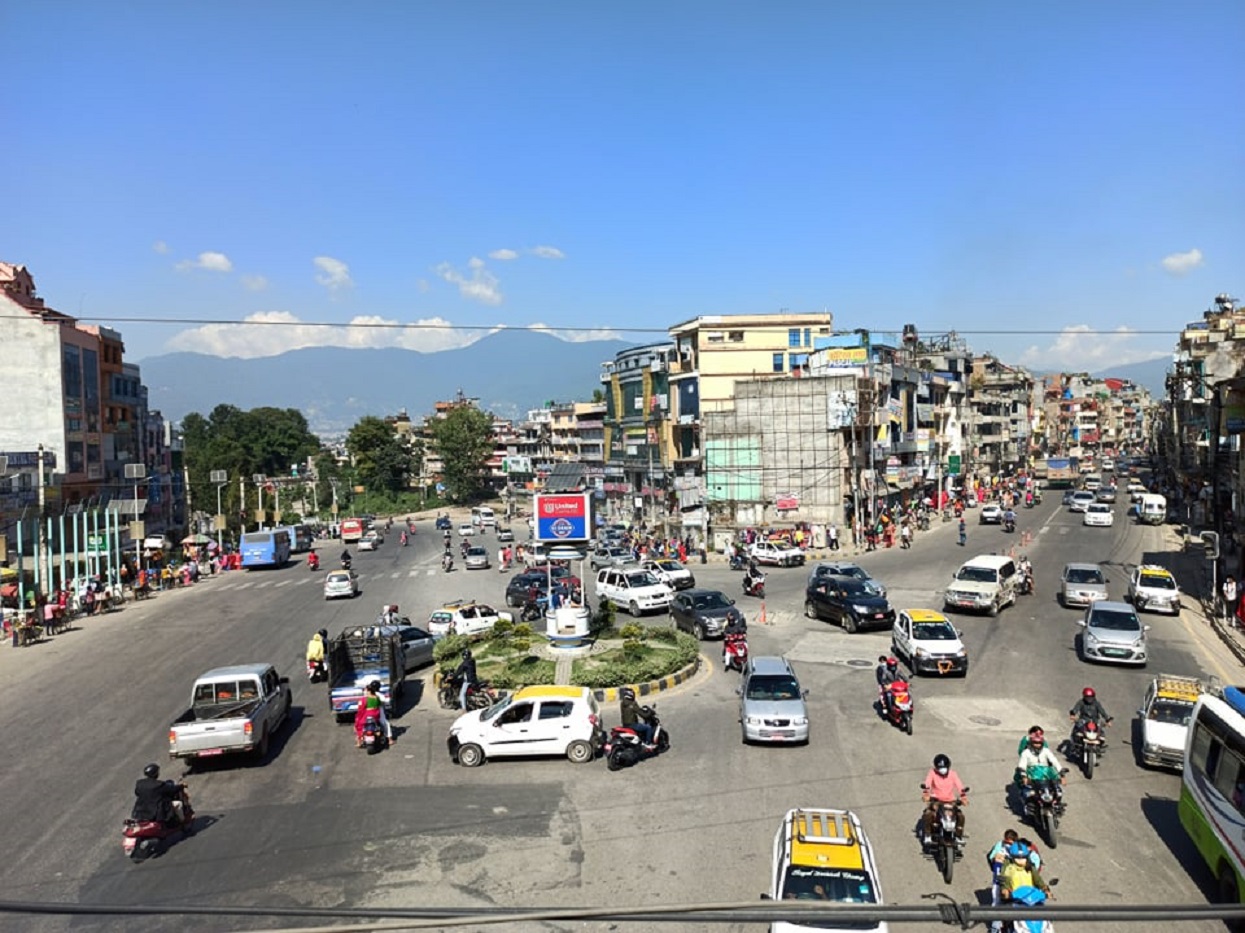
(482, 517)
(1152, 510)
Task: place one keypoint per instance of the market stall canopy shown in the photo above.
(199, 540)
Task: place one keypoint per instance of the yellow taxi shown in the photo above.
(1165, 713)
(824, 855)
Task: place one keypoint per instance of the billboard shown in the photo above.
(561, 517)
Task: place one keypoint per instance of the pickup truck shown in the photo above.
(232, 709)
(776, 554)
(358, 656)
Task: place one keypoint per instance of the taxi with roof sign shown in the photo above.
(929, 643)
(463, 617)
(824, 855)
(1165, 714)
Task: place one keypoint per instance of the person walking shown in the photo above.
(834, 536)
(963, 532)
(1230, 595)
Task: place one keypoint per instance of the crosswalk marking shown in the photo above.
(243, 586)
(283, 583)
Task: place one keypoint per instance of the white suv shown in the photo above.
(987, 582)
(637, 591)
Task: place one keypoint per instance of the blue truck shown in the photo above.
(358, 656)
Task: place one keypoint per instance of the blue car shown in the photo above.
(444, 523)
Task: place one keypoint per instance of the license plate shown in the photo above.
(210, 752)
(879, 615)
(1115, 652)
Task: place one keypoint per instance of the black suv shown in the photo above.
(851, 602)
(703, 612)
(519, 585)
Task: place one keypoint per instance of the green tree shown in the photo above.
(464, 439)
(382, 460)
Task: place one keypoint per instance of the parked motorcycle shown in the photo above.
(735, 651)
(1044, 806)
(479, 695)
(624, 747)
(313, 562)
(899, 710)
(374, 738)
(755, 586)
(144, 839)
(946, 845)
(1088, 743)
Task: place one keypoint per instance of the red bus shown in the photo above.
(351, 530)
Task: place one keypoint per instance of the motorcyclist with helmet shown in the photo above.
(752, 576)
(466, 672)
(887, 673)
(1037, 761)
(158, 801)
(943, 785)
(1088, 709)
(633, 716)
(1020, 872)
(345, 561)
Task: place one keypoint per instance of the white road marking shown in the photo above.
(283, 583)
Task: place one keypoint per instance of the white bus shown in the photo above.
(482, 517)
(1212, 795)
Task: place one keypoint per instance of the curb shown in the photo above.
(610, 694)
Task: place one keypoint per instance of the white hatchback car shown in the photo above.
(461, 618)
(1082, 499)
(340, 583)
(543, 720)
(1099, 514)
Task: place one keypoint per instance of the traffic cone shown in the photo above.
(763, 620)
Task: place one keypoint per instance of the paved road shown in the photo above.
(318, 824)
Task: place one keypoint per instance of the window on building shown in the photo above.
(797, 360)
(72, 370)
(808, 336)
(793, 337)
(778, 360)
(714, 336)
(736, 336)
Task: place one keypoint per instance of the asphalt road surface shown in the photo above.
(320, 824)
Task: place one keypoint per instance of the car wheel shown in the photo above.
(471, 756)
(699, 631)
(849, 624)
(579, 751)
(993, 610)
(634, 608)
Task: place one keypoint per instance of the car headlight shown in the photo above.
(799, 721)
(1090, 639)
(922, 653)
(863, 610)
(753, 720)
(962, 653)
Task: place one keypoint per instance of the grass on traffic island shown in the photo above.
(513, 655)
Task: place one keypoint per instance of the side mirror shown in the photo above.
(285, 680)
(1081, 623)
(804, 694)
(739, 691)
(731, 601)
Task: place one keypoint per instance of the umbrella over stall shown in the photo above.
(198, 540)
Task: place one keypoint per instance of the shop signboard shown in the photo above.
(561, 517)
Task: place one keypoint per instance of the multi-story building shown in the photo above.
(636, 430)
(999, 419)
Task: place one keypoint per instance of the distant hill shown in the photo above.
(510, 372)
(1151, 375)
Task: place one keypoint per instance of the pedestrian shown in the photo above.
(906, 535)
(1229, 598)
(834, 536)
(963, 532)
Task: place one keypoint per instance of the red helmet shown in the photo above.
(892, 664)
(1088, 693)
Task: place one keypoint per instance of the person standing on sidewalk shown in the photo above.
(834, 536)
(1228, 590)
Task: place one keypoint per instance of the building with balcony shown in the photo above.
(636, 431)
(998, 424)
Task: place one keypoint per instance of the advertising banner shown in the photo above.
(561, 517)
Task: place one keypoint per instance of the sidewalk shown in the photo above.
(1191, 569)
(848, 549)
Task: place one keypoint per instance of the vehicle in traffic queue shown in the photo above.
(1153, 588)
(772, 706)
(532, 721)
(1099, 515)
(851, 603)
(235, 709)
(1165, 714)
(1091, 482)
(843, 568)
(929, 643)
(823, 854)
(637, 591)
(462, 617)
(984, 583)
(1136, 489)
(776, 554)
(991, 514)
(443, 523)
(341, 583)
(1106, 494)
(1081, 500)
(704, 613)
(367, 544)
(610, 556)
(1151, 509)
(521, 585)
(1113, 634)
(671, 572)
(1081, 584)
(477, 558)
(504, 535)
(466, 530)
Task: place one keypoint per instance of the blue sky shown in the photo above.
(995, 169)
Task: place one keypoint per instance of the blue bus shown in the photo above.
(301, 538)
(265, 548)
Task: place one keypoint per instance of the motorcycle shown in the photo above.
(403, 539)
(735, 651)
(479, 695)
(1088, 743)
(922, 522)
(899, 711)
(374, 738)
(624, 747)
(144, 839)
(755, 586)
(345, 563)
(317, 671)
(738, 562)
(447, 562)
(946, 845)
(313, 562)
(1009, 525)
(534, 611)
(1044, 806)
(1025, 585)
(1027, 896)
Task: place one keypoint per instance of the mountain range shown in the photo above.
(1151, 375)
(509, 372)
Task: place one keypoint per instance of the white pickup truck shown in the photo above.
(776, 554)
(232, 709)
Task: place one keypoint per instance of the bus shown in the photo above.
(1212, 793)
(351, 530)
(301, 538)
(265, 548)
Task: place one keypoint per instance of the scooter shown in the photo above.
(946, 845)
(317, 671)
(735, 651)
(1025, 586)
(345, 563)
(479, 695)
(624, 747)
(404, 539)
(1009, 525)
(755, 586)
(899, 711)
(144, 839)
(374, 738)
(313, 562)
(738, 562)
(447, 562)
(1088, 743)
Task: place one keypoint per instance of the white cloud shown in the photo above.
(1077, 349)
(270, 333)
(209, 261)
(578, 336)
(160, 247)
(477, 284)
(547, 252)
(503, 254)
(334, 274)
(1183, 263)
(254, 283)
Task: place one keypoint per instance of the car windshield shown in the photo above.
(1115, 620)
(641, 578)
(476, 552)
(711, 601)
(842, 570)
(1097, 509)
(1083, 496)
(977, 575)
(670, 566)
(934, 631)
(497, 708)
(1085, 575)
(619, 552)
(773, 687)
(844, 885)
(339, 576)
(854, 587)
(1158, 581)
(1175, 712)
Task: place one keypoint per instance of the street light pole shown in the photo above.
(258, 479)
(43, 558)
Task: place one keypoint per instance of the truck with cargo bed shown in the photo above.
(233, 710)
(358, 656)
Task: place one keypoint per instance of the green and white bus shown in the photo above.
(1212, 795)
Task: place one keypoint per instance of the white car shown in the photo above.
(1081, 500)
(929, 643)
(466, 530)
(340, 583)
(776, 554)
(823, 855)
(367, 544)
(543, 720)
(1153, 587)
(1099, 515)
(635, 590)
(463, 618)
(670, 572)
(1165, 713)
(991, 514)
